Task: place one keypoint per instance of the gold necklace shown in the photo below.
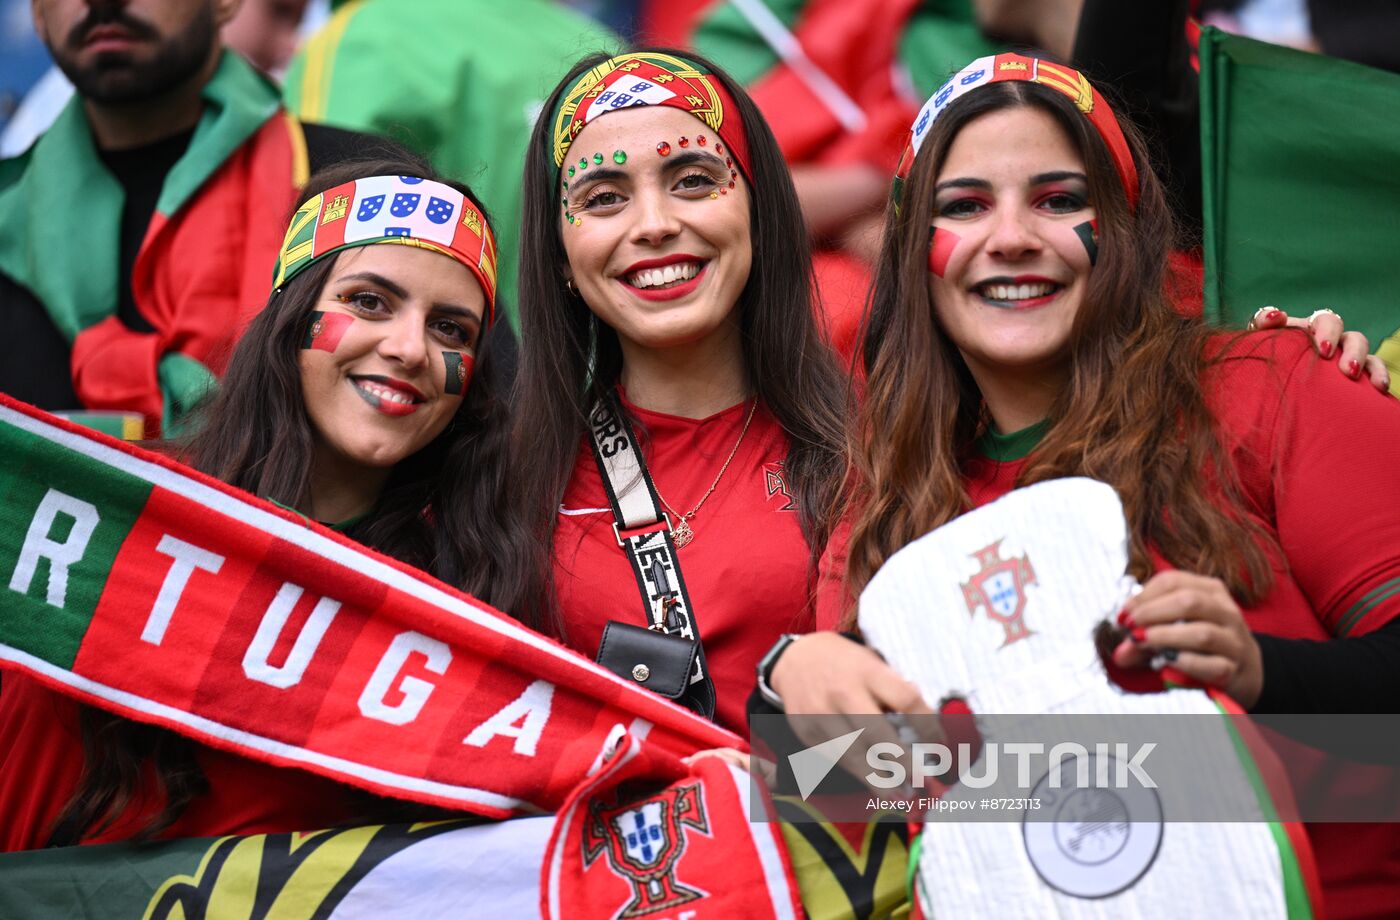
(681, 531)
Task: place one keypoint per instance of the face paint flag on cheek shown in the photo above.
(459, 371)
(1089, 236)
(941, 249)
(325, 330)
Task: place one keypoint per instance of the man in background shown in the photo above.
(137, 235)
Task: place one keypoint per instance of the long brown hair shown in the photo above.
(569, 360)
(442, 510)
(1132, 414)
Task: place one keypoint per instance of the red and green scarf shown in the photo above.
(142, 587)
(202, 269)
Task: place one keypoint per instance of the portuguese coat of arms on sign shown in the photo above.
(1000, 588)
(643, 840)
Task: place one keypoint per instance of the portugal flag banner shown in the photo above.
(1301, 187)
(137, 585)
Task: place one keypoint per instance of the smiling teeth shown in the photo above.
(670, 274)
(388, 394)
(1017, 291)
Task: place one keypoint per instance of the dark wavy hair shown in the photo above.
(569, 359)
(1132, 414)
(255, 434)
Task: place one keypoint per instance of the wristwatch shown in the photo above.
(765, 669)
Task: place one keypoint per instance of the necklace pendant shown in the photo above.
(682, 534)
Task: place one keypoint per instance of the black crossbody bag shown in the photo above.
(664, 655)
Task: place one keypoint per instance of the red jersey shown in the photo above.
(1315, 457)
(747, 570)
(41, 759)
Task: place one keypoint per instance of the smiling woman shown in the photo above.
(1019, 332)
(345, 400)
(668, 297)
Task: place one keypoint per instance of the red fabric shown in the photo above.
(669, 23)
(200, 275)
(1281, 410)
(854, 43)
(41, 759)
(647, 835)
(747, 569)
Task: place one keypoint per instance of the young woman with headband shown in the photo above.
(668, 292)
(1019, 333)
(343, 401)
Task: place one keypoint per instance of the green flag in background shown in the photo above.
(1301, 163)
(459, 81)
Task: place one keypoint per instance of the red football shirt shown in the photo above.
(748, 568)
(1316, 458)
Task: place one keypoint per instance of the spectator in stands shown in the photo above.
(353, 386)
(113, 297)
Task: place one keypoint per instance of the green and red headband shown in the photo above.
(647, 78)
(391, 209)
(1003, 67)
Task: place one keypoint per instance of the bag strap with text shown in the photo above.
(643, 530)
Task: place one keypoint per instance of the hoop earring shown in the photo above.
(569, 283)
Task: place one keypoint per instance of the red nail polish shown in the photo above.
(1138, 633)
(1125, 619)
(1273, 315)
(1325, 348)
(1354, 368)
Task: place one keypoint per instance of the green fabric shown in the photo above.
(725, 37)
(468, 104)
(61, 209)
(940, 38)
(53, 631)
(1003, 447)
(184, 382)
(1301, 174)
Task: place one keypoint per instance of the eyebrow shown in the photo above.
(680, 161)
(399, 292)
(1041, 179)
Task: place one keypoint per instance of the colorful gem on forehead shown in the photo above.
(619, 157)
(664, 149)
(597, 159)
(700, 139)
(582, 164)
(684, 142)
(571, 172)
(719, 148)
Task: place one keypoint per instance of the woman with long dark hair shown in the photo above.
(345, 400)
(1019, 333)
(666, 282)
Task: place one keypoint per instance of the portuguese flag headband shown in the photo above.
(1003, 67)
(391, 209)
(646, 78)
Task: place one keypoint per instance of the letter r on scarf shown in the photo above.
(414, 690)
(38, 545)
(188, 557)
(530, 709)
(255, 663)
